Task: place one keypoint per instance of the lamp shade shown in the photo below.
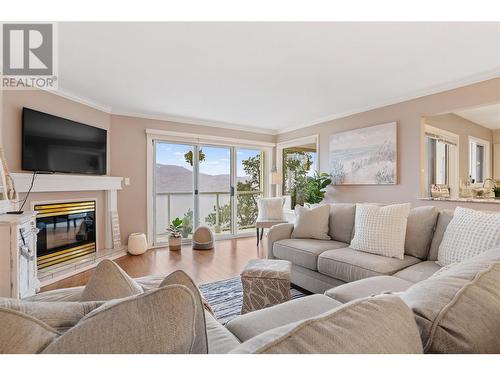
(276, 178)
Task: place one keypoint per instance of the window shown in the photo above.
(441, 159)
(479, 154)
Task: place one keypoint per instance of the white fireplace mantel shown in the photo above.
(71, 182)
(65, 182)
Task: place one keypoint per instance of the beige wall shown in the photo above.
(409, 117)
(128, 159)
(496, 136)
(463, 128)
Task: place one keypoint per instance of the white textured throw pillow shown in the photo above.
(270, 209)
(381, 230)
(311, 222)
(468, 234)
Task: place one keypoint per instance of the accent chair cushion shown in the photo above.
(458, 310)
(304, 252)
(341, 221)
(270, 209)
(382, 324)
(350, 265)
(311, 222)
(23, 334)
(109, 282)
(418, 272)
(381, 230)
(419, 231)
(157, 321)
(246, 326)
(469, 233)
(367, 287)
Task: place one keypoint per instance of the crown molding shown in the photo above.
(80, 99)
(196, 121)
(400, 99)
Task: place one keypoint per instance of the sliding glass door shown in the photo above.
(214, 186)
(174, 188)
(214, 189)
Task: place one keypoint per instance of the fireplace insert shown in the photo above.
(66, 232)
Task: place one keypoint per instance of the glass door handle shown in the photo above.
(232, 191)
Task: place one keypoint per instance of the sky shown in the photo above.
(217, 159)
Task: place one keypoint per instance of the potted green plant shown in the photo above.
(175, 234)
(315, 188)
(497, 192)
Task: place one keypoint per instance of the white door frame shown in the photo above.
(296, 142)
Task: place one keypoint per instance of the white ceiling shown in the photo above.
(268, 76)
(487, 116)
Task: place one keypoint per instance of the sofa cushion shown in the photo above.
(220, 339)
(443, 220)
(457, 310)
(252, 324)
(350, 265)
(23, 334)
(157, 321)
(469, 233)
(418, 272)
(419, 231)
(367, 287)
(381, 230)
(60, 316)
(382, 324)
(341, 221)
(109, 282)
(311, 222)
(304, 252)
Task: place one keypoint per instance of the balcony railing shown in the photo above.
(164, 204)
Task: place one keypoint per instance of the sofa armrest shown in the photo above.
(276, 233)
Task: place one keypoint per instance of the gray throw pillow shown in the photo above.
(109, 282)
(159, 321)
(311, 222)
(181, 278)
(458, 309)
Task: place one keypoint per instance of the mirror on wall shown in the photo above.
(461, 154)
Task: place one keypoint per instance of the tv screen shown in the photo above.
(55, 144)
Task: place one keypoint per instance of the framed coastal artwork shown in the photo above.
(366, 156)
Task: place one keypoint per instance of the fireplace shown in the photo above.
(66, 232)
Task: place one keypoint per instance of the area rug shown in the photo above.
(226, 297)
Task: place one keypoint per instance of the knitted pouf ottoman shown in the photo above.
(266, 282)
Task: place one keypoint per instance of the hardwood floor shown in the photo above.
(226, 261)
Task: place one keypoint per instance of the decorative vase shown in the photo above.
(137, 244)
(174, 243)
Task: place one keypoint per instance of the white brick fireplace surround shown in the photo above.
(77, 183)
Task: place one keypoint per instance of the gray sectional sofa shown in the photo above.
(319, 265)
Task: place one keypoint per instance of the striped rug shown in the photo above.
(226, 297)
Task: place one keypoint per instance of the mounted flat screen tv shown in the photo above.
(55, 144)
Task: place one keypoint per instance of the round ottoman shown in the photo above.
(203, 239)
(137, 244)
